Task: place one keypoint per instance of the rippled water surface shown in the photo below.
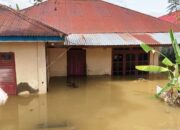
(99, 103)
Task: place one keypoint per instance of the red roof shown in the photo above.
(95, 16)
(173, 17)
(13, 23)
(146, 39)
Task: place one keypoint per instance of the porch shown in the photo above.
(97, 61)
(112, 54)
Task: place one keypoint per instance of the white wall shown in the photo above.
(30, 63)
(98, 61)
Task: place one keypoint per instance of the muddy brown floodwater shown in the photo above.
(99, 103)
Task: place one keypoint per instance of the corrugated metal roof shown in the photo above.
(164, 38)
(128, 38)
(119, 39)
(13, 23)
(95, 16)
(146, 39)
(101, 39)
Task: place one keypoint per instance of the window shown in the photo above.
(6, 56)
(118, 64)
(124, 61)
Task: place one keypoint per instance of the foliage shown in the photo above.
(152, 68)
(35, 2)
(174, 5)
(167, 51)
(171, 68)
(17, 7)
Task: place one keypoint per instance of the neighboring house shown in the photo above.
(173, 17)
(22, 50)
(100, 39)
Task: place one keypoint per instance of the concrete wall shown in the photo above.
(30, 63)
(57, 62)
(98, 61)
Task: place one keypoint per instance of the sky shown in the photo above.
(151, 7)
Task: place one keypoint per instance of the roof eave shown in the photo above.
(31, 39)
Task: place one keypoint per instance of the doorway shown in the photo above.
(76, 62)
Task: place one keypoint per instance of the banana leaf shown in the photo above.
(175, 47)
(146, 48)
(176, 71)
(168, 86)
(152, 68)
(167, 62)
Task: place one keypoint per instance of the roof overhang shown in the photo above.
(31, 39)
(119, 39)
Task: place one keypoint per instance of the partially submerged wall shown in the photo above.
(57, 62)
(30, 63)
(98, 61)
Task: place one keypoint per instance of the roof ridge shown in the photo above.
(153, 24)
(30, 20)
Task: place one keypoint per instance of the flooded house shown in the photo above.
(22, 50)
(75, 38)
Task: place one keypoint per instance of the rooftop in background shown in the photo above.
(15, 24)
(173, 17)
(95, 16)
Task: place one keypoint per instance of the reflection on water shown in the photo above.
(99, 103)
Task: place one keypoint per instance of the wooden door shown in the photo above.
(7, 73)
(76, 62)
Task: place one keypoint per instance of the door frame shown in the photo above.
(85, 66)
(14, 70)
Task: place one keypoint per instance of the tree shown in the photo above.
(174, 5)
(36, 2)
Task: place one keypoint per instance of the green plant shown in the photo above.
(171, 68)
(167, 51)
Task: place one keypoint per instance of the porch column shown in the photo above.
(154, 58)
